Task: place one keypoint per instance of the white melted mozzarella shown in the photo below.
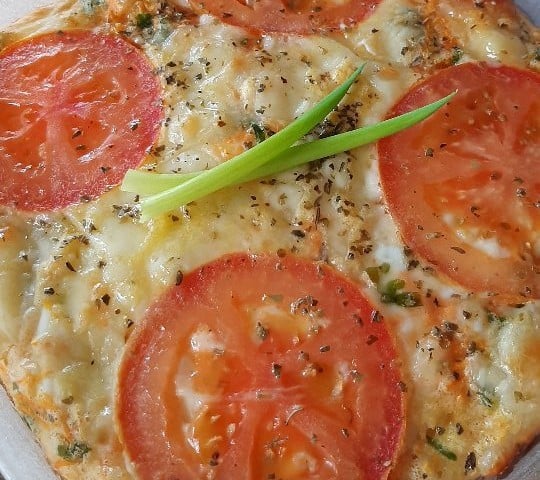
(62, 332)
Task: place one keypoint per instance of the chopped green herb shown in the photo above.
(441, 448)
(144, 20)
(73, 452)
(374, 273)
(457, 54)
(260, 134)
(393, 286)
(90, 5)
(391, 293)
(494, 318)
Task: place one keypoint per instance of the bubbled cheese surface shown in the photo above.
(74, 283)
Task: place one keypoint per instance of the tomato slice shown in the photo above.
(288, 16)
(464, 186)
(259, 367)
(77, 110)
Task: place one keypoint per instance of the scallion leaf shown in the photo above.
(441, 449)
(238, 168)
(271, 156)
(146, 183)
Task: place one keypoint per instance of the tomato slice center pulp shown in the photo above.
(261, 367)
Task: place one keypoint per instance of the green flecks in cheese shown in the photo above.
(478, 383)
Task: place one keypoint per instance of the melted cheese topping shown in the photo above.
(74, 283)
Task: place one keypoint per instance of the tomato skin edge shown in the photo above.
(94, 167)
(520, 279)
(141, 338)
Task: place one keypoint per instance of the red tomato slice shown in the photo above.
(288, 16)
(464, 186)
(77, 110)
(259, 367)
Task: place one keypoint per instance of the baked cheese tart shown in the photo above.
(371, 314)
